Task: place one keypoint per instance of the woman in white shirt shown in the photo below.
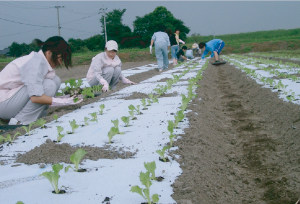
(28, 84)
(105, 68)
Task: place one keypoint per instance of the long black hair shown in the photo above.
(58, 46)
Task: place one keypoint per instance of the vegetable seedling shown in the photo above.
(131, 113)
(86, 121)
(137, 108)
(59, 135)
(53, 176)
(125, 120)
(8, 138)
(162, 153)
(102, 106)
(97, 89)
(55, 118)
(94, 116)
(113, 131)
(28, 129)
(178, 117)
(116, 125)
(153, 98)
(41, 122)
(75, 159)
(145, 193)
(151, 166)
(171, 130)
(73, 125)
(87, 93)
(144, 104)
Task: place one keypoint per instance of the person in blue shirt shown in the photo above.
(215, 46)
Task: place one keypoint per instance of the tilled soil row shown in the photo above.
(241, 146)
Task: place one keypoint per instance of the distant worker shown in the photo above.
(189, 53)
(105, 68)
(174, 40)
(162, 45)
(196, 49)
(180, 54)
(28, 84)
(215, 46)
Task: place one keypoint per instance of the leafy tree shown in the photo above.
(18, 50)
(95, 43)
(114, 28)
(145, 26)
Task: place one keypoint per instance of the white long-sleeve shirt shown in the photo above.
(29, 70)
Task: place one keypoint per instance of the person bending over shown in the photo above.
(105, 68)
(28, 84)
(180, 54)
(215, 46)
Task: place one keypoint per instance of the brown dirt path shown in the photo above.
(240, 147)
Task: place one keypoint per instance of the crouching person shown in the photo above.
(28, 84)
(105, 68)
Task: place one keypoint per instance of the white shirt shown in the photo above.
(29, 70)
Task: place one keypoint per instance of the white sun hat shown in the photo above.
(111, 45)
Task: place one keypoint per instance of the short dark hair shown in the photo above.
(169, 31)
(202, 44)
(58, 46)
(184, 47)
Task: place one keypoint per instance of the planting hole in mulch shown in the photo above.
(82, 170)
(159, 178)
(167, 159)
(60, 192)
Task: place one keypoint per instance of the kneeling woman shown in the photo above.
(28, 84)
(105, 68)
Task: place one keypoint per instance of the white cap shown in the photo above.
(111, 45)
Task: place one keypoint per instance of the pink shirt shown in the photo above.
(99, 62)
(29, 70)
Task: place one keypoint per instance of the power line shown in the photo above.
(24, 23)
(9, 4)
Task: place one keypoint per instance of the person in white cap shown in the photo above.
(105, 68)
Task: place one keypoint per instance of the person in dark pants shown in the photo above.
(180, 54)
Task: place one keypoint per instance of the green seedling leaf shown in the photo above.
(8, 138)
(155, 198)
(131, 107)
(131, 113)
(53, 176)
(73, 125)
(171, 139)
(55, 117)
(125, 120)
(28, 129)
(162, 152)
(151, 166)
(76, 158)
(41, 122)
(115, 122)
(59, 135)
(75, 100)
(148, 102)
(178, 117)
(102, 106)
(137, 189)
(87, 93)
(94, 116)
(97, 89)
(113, 131)
(170, 126)
(86, 120)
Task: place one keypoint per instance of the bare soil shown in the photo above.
(241, 146)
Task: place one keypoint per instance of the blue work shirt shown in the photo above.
(161, 37)
(211, 46)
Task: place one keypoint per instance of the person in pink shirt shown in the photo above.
(28, 84)
(105, 68)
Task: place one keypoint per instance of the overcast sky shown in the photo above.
(22, 21)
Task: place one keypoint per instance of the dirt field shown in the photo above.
(241, 146)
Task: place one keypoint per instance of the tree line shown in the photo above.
(143, 29)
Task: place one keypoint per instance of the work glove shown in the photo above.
(105, 87)
(64, 101)
(127, 81)
(150, 49)
(181, 41)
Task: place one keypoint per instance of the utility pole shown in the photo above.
(103, 10)
(58, 25)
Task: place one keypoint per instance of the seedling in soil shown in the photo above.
(28, 129)
(8, 138)
(53, 176)
(131, 113)
(178, 117)
(162, 153)
(148, 102)
(97, 89)
(102, 106)
(144, 104)
(171, 130)
(151, 166)
(113, 131)
(125, 120)
(145, 193)
(94, 116)
(55, 118)
(291, 97)
(153, 98)
(137, 108)
(86, 121)
(87, 93)
(73, 125)
(185, 101)
(169, 84)
(75, 159)
(116, 125)
(41, 122)
(59, 135)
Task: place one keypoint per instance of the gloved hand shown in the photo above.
(181, 41)
(64, 101)
(150, 49)
(127, 81)
(105, 87)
